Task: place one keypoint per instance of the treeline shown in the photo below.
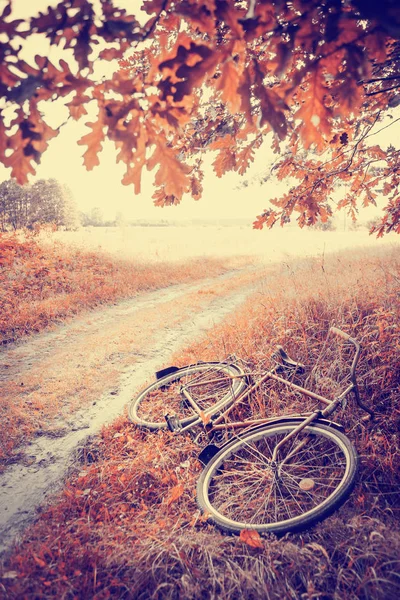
(94, 218)
(45, 201)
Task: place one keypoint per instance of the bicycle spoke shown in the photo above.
(165, 396)
(249, 489)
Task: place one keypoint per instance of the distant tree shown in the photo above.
(327, 225)
(94, 218)
(46, 201)
(120, 220)
(84, 219)
(70, 213)
(14, 205)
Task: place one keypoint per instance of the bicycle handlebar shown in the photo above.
(340, 333)
(347, 337)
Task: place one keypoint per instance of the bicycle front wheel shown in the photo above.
(213, 386)
(241, 488)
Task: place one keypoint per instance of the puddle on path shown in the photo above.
(25, 487)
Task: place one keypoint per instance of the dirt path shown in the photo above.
(66, 384)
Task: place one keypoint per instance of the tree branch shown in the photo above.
(394, 87)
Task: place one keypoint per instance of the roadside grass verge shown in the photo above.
(127, 524)
(41, 284)
(45, 381)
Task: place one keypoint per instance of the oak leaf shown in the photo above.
(243, 159)
(228, 85)
(314, 114)
(175, 494)
(252, 538)
(77, 106)
(136, 160)
(39, 561)
(172, 174)
(244, 91)
(225, 161)
(161, 199)
(3, 140)
(153, 6)
(93, 141)
(201, 14)
(196, 187)
(27, 144)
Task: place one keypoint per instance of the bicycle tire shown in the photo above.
(228, 486)
(153, 401)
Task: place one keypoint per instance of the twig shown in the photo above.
(394, 87)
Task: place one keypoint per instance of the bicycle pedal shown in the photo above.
(173, 422)
(165, 372)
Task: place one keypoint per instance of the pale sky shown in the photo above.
(102, 187)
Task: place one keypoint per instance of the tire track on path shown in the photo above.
(40, 471)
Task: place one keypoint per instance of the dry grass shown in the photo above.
(127, 524)
(46, 380)
(43, 284)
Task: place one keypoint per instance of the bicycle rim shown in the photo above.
(164, 396)
(240, 489)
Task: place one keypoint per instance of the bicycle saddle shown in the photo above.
(288, 362)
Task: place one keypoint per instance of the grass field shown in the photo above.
(176, 243)
(43, 281)
(47, 278)
(127, 524)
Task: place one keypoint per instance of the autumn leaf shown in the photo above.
(19, 160)
(244, 158)
(228, 85)
(259, 222)
(39, 561)
(244, 91)
(136, 148)
(36, 129)
(161, 199)
(252, 538)
(314, 114)
(175, 494)
(77, 106)
(268, 218)
(206, 418)
(196, 187)
(93, 141)
(172, 174)
(225, 161)
(152, 6)
(3, 141)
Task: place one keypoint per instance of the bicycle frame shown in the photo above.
(330, 405)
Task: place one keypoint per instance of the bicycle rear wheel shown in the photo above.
(213, 386)
(240, 488)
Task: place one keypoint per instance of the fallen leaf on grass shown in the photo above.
(39, 561)
(176, 493)
(251, 538)
(206, 418)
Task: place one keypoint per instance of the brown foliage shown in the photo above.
(315, 74)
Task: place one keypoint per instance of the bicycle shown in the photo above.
(280, 474)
